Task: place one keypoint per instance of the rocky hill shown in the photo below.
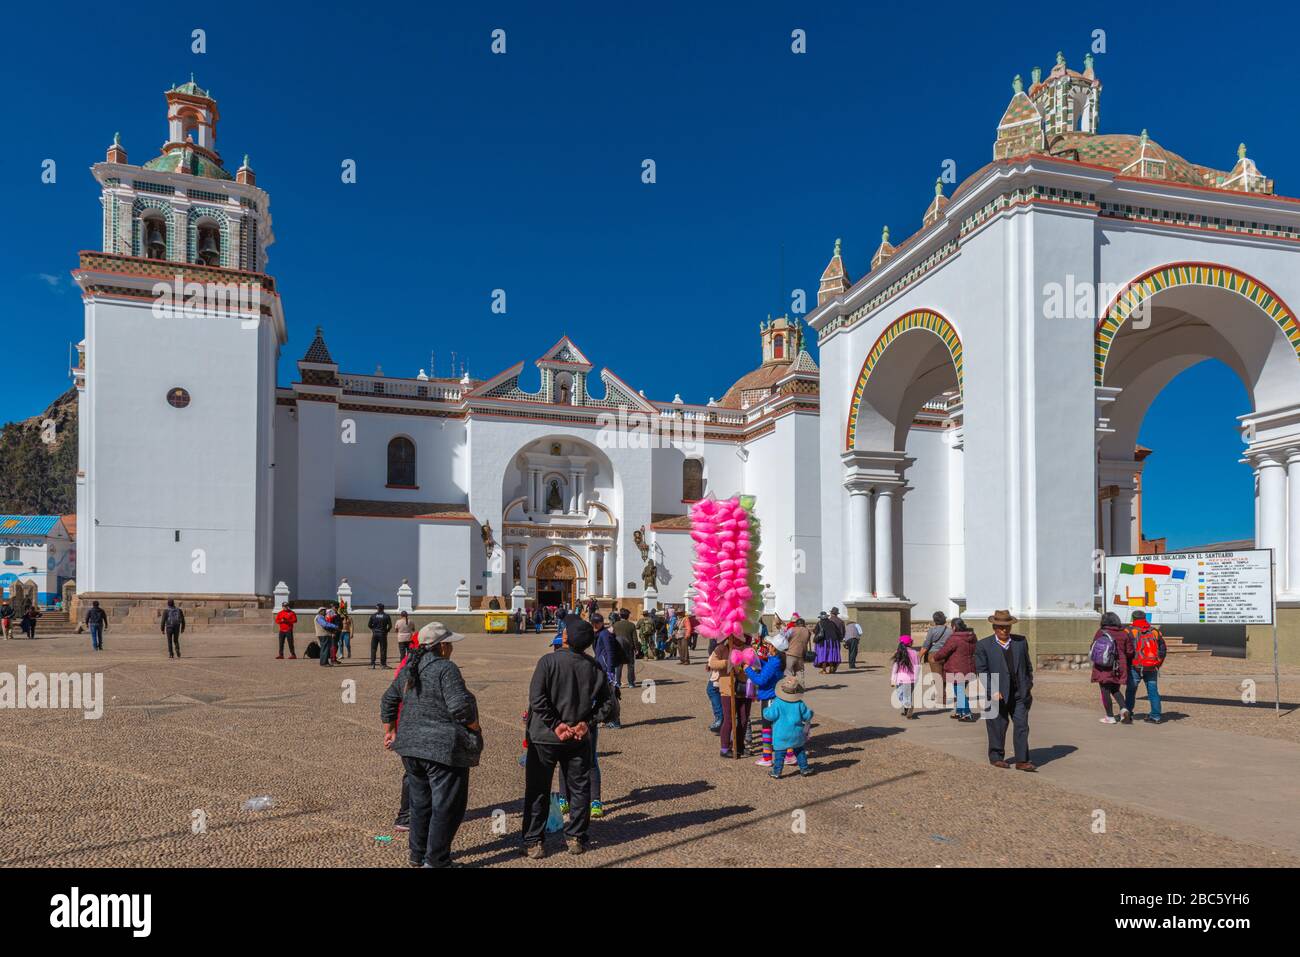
(38, 461)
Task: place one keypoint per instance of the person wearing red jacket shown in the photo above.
(1146, 652)
(957, 656)
(285, 619)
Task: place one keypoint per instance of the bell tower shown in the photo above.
(183, 327)
(782, 339)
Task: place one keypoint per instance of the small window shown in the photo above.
(692, 480)
(401, 462)
(778, 347)
(178, 398)
(11, 555)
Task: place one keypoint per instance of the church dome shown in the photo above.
(1129, 154)
(194, 162)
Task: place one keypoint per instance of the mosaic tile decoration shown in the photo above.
(1189, 274)
(918, 319)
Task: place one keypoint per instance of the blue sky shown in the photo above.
(522, 172)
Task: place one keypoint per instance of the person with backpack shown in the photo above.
(173, 623)
(96, 624)
(285, 620)
(1146, 650)
(957, 658)
(439, 740)
(380, 625)
(1110, 665)
(6, 618)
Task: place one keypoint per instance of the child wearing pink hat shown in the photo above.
(903, 675)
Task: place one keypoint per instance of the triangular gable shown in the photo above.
(618, 392)
(501, 384)
(565, 353)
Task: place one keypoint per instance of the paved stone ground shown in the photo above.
(228, 722)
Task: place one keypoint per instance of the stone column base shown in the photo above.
(881, 622)
(1259, 638)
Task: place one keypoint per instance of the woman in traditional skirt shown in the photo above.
(827, 642)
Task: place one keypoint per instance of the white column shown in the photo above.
(611, 586)
(573, 492)
(859, 542)
(896, 519)
(1293, 522)
(582, 493)
(507, 568)
(1272, 511)
(1121, 522)
(885, 542)
(532, 490)
(593, 556)
(1107, 543)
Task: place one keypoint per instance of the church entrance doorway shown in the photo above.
(556, 577)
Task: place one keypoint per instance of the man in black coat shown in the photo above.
(568, 695)
(1007, 675)
(380, 625)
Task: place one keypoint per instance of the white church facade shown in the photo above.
(965, 441)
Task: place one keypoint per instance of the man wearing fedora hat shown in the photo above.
(1007, 675)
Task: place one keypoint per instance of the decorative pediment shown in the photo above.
(564, 354)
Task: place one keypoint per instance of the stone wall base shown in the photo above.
(1259, 638)
(882, 623)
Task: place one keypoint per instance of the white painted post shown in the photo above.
(281, 594)
(404, 597)
(345, 593)
(462, 597)
(690, 595)
(651, 599)
(517, 596)
(769, 600)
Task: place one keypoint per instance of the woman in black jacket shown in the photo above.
(439, 740)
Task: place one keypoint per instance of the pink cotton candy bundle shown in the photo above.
(724, 533)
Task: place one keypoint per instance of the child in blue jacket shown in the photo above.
(772, 657)
(790, 719)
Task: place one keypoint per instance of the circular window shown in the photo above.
(178, 398)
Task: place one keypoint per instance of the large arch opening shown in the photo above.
(903, 439)
(560, 497)
(1153, 341)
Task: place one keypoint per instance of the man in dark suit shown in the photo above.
(1003, 665)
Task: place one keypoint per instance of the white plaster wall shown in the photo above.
(444, 555)
(374, 555)
(439, 460)
(927, 540)
(154, 470)
(676, 553)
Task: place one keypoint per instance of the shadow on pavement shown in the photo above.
(1041, 756)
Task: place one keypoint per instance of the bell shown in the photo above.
(208, 247)
(155, 237)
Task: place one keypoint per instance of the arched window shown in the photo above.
(401, 462)
(208, 250)
(12, 556)
(692, 480)
(153, 230)
(778, 347)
